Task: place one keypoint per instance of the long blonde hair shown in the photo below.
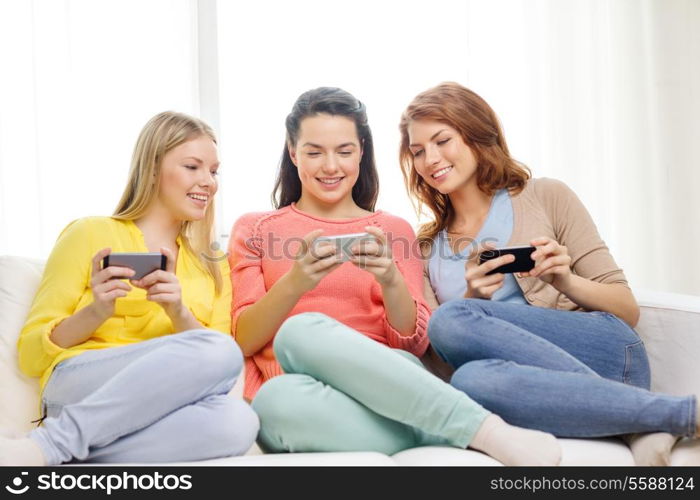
(162, 133)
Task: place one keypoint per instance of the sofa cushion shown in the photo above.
(345, 459)
(574, 452)
(443, 456)
(686, 453)
(609, 451)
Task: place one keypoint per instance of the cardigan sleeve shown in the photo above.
(407, 256)
(66, 278)
(574, 228)
(245, 259)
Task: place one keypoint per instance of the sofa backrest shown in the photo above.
(670, 327)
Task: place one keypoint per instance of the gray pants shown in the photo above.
(160, 400)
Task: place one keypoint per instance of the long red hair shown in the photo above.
(465, 111)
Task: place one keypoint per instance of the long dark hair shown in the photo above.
(335, 102)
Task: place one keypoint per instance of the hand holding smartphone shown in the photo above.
(522, 263)
(344, 242)
(142, 263)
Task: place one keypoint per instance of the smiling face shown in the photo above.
(188, 179)
(327, 155)
(440, 155)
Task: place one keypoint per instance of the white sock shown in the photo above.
(513, 445)
(687, 453)
(22, 451)
(652, 448)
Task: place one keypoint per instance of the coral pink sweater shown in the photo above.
(261, 250)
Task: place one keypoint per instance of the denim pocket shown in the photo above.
(636, 370)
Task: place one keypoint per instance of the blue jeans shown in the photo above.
(573, 374)
(160, 400)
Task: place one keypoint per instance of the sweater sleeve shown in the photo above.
(407, 256)
(245, 259)
(575, 229)
(65, 279)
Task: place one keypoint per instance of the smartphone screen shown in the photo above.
(142, 263)
(344, 242)
(522, 263)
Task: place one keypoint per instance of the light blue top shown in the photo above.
(447, 269)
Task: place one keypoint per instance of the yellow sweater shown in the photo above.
(64, 290)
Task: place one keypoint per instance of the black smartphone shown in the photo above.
(522, 263)
(141, 263)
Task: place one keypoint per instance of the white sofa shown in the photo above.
(670, 327)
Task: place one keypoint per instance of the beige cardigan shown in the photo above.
(547, 207)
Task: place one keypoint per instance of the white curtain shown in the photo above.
(603, 94)
(79, 78)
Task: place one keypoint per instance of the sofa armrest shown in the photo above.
(670, 327)
(19, 402)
